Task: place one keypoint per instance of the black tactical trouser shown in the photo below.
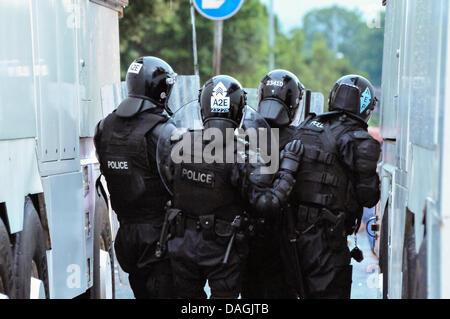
(264, 276)
(265, 273)
(135, 250)
(195, 260)
(325, 264)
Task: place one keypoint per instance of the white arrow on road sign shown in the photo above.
(212, 4)
(218, 9)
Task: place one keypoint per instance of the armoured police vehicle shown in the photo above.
(55, 233)
(413, 241)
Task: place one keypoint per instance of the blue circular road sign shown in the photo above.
(218, 9)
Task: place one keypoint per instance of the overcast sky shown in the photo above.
(290, 12)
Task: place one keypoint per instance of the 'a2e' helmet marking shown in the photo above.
(220, 102)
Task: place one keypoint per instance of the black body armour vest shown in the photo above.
(204, 189)
(322, 180)
(132, 177)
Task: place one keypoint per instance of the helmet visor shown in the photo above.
(347, 98)
(274, 112)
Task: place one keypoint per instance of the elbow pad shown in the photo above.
(283, 186)
(269, 201)
(258, 179)
(368, 191)
(267, 205)
(367, 154)
(291, 156)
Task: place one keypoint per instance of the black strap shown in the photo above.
(323, 178)
(293, 237)
(319, 156)
(99, 185)
(319, 199)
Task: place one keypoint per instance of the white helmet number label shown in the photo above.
(366, 97)
(220, 103)
(135, 68)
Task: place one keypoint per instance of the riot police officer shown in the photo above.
(126, 147)
(336, 179)
(208, 209)
(265, 276)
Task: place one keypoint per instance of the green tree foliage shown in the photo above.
(163, 28)
(339, 25)
(367, 52)
(160, 28)
(317, 68)
(345, 31)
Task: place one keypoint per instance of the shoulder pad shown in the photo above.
(328, 114)
(361, 135)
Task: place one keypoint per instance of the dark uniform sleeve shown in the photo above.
(266, 193)
(360, 152)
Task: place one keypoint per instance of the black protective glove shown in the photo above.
(291, 156)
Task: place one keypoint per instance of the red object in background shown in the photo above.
(375, 132)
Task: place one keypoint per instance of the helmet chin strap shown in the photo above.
(167, 108)
(166, 103)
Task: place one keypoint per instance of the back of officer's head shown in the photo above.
(222, 100)
(279, 96)
(354, 95)
(152, 79)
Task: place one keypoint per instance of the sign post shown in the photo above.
(218, 32)
(194, 40)
(218, 10)
(271, 36)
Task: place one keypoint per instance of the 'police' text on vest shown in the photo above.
(117, 164)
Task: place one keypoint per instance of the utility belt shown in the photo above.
(210, 226)
(176, 222)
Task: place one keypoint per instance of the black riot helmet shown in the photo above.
(353, 94)
(279, 96)
(150, 81)
(222, 100)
